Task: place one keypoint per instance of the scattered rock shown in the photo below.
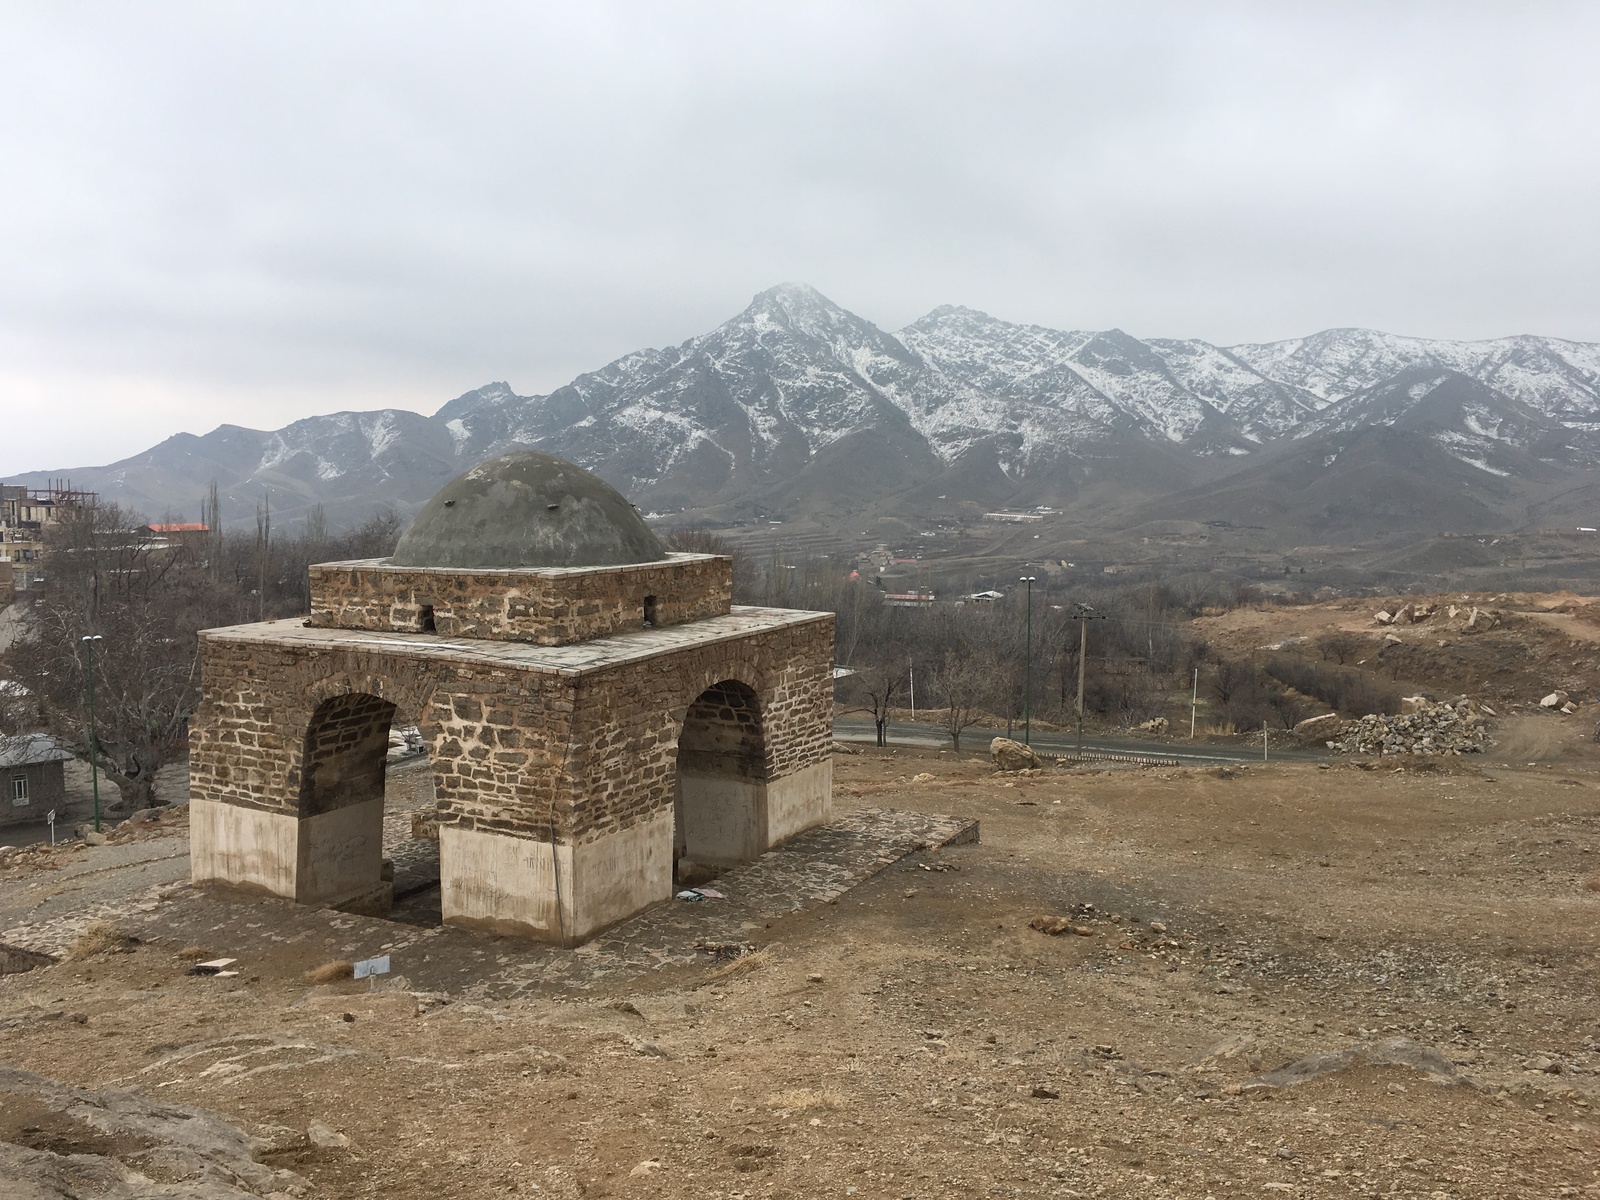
(1056, 926)
(648, 1167)
(924, 777)
(1319, 729)
(1013, 756)
(1383, 617)
(1045, 1093)
(1555, 699)
(326, 1137)
(1240, 1046)
(1159, 725)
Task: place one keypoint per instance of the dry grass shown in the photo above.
(98, 938)
(194, 953)
(744, 964)
(330, 972)
(1592, 885)
(802, 1099)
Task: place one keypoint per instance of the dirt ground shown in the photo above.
(918, 1039)
(1545, 642)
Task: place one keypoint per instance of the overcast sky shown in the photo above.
(249, 213)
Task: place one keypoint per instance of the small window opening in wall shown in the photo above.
(649, 612)
(19, 789)
(427, 622)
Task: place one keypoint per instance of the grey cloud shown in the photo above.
(250, 213)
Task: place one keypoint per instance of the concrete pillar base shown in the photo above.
(510, 885)
(330, 859)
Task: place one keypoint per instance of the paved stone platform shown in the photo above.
(268, 933)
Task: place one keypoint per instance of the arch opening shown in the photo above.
(368, 829)
(719, 802)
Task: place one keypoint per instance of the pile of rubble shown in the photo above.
(1472, 618)
(1447, 728)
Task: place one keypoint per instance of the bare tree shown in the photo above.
(1340, 646)
(144, 602)
(879, 684)
(1137, 697)
(961, 681)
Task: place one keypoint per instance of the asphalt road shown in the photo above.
(905, 733)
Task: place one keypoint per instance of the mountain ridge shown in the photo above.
(791, 402)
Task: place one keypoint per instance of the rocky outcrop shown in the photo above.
(1430, 729)
(162, 1149)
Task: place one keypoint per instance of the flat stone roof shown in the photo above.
(575, 659)
(511, 574)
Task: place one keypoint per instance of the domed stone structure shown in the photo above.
(597, 712)
(528, 509)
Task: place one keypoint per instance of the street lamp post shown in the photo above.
(1027, 670)
(94, 758)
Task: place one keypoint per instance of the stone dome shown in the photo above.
(527, 509)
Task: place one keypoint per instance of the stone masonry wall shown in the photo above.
(345, 746)
(545, 607)
(247, 739)
(628, 719)
(516, 749)
(722, 734)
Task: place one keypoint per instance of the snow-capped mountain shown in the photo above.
(796, 400)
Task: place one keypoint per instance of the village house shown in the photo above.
(32, 776)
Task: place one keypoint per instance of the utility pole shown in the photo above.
(1027, 670)
(1085, 614)
(911, 667)
(94, 753)
(1194, 702)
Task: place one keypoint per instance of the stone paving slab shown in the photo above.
(810, 869)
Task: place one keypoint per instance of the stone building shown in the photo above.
(596, 709)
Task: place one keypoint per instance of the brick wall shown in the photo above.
(546, 607)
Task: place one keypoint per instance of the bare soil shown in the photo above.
(1546, 642)
(917, 1038)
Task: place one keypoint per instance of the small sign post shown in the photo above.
(370, 968)
(50, 819)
